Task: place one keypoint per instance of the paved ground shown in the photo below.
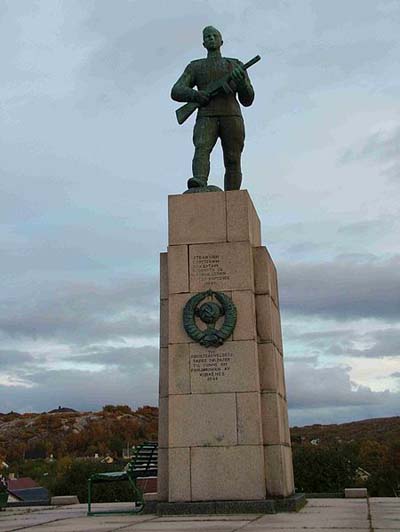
(320, 515)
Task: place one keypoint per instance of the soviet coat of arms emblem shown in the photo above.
(217, 304)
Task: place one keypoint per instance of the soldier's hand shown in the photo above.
(238, 74)
(202, 98)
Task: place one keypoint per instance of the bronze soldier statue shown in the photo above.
(219, 114)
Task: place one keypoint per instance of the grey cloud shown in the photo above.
(304, 248)
(342, 414)
(382, 147)
(341, 289)
(140, 48)
(356, 258)
(82, 390)
(124, 357)
(12, 358)
(318, 395)
(334, 342)
(396, 374)
(320, 337)
(326, 47)
(324, 62)
(367, 228)
(81, 311)
(386, 343)
(340, 342)
(327, 395)
(312, 360)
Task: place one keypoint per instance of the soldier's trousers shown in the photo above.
(207, 130)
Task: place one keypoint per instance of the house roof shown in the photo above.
(31, 494)
(21, 483)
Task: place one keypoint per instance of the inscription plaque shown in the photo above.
(221, 267)
(209, 269)
(211, 365)
(232, 367)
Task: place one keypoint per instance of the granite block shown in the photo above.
(177, 333)
(249, 418)
(278, 470)
(224, 266)
(226, 473)
(276, 328)
(179, 373)
(178, 269)
(163, 422)
(233, 367)
(164, 323)
(293, 503)
(196, 218)
(262, 270)
(202, 419)
(186, 508)
(163, 275)
(243, 223)
(266, 506)
(268, 321)
(163, 374)
(179, 474)
(271, 369)
(162, 476)
(264, 317)
(274, 419)
(246, 315)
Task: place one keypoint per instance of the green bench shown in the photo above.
(142, 465)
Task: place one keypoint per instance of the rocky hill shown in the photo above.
(65, 432)
(384, 430)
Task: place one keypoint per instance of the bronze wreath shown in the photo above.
(210, 336)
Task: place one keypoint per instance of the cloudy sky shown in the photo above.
(90, 149)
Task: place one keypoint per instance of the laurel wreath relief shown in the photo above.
(209, 313)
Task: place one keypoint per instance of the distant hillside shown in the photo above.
(63, 432)
(383, 430)
(328, 458)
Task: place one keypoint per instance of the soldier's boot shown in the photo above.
(196, 182)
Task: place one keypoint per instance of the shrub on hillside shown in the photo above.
(73, 481)
(324, 469)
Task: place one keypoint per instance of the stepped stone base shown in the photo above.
(267, 506)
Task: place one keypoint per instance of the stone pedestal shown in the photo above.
(223, 429)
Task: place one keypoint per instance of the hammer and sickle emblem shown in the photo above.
(209, 313)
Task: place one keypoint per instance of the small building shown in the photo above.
(107, 460)
(25, 489)
(362, 474)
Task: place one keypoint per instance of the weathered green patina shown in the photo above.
(209, 313)
(218, 80)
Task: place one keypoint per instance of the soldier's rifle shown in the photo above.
(220, 86)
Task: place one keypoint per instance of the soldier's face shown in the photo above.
(212, 40)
